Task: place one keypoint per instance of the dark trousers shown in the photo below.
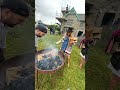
(2, 58)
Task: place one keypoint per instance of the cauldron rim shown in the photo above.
(53, 70)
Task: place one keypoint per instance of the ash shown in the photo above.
(24, 82)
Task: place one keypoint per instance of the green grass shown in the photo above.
(72, 78)
(97, 74)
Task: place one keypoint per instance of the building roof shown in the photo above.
(80, 17)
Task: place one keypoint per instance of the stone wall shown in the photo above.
(72, 21)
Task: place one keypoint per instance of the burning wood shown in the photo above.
(40, 57)
(24, 77)
(49, 54)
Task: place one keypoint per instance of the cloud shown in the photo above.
(46, 9)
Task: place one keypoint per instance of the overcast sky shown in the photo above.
(46, 9)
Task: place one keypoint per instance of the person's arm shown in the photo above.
(61, 40)
(81, 45)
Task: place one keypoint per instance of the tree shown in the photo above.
(56, 27)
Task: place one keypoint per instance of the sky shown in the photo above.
(46, 10)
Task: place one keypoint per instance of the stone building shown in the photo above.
(70, 18)
(105, 12)
(103, 15)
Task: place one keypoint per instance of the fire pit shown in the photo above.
(49, 61)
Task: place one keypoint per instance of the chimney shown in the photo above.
(67, 8)
(64, 11)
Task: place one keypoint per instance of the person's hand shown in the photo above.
(59, 41)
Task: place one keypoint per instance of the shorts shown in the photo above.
(68, 50)
(115, 60)
(84, 53)
(114, 71)
(83, 56)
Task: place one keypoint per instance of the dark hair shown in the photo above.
(70, 30)
(19, 7)
(41, 28)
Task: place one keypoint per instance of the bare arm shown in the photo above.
(60, 40)
(80, 45)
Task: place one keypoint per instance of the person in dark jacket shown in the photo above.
(40, 30)
(12, 13)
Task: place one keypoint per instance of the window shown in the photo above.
(108, 18)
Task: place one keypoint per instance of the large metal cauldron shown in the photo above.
(53, 70)
(20, 60)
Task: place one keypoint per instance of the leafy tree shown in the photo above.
(56, 27)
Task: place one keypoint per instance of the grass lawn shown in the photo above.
(97, 74)
(73, 78)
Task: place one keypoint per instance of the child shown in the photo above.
(65, 40)
(69, 48)
(68, 41)
(82, 53)
(84, 45)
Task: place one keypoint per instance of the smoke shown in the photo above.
(49, 43)
(53, 47)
